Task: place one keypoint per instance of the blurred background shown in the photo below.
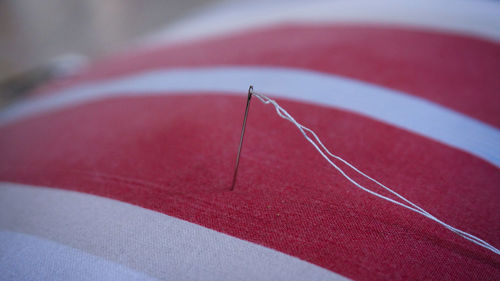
(33, 32)
(39, 37)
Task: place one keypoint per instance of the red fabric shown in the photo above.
(175, 155)
(456, 71)
(156, 153)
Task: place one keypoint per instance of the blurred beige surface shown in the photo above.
(34, 31)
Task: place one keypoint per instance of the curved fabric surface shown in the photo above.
(101, 239)
(479, 18)
(27, 257)
(173, 152)
(424, 64)
(392, 107)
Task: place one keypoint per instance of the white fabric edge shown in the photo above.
(476, 18)
(150, 242)
(28, 257)
(389, 106)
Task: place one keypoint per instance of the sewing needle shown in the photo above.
(250, 91)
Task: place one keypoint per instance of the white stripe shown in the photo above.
(26, 257)
(146, 241)
(392, 107)
(477, 18)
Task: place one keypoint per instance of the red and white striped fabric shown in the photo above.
(123, 171)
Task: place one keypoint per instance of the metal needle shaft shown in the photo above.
(250, 90)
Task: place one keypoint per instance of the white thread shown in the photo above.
(324, 152)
